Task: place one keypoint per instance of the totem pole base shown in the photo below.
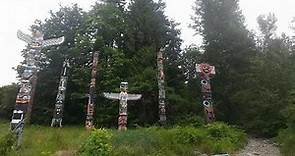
(162, 120)
(122, 123)
(209, 115)
(56, 123)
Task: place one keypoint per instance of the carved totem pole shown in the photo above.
(206, 72)
(60, 97)
(24, 99)
(123, 97)
(91, 97)
(161, 85)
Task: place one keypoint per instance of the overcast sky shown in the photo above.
(20, 14)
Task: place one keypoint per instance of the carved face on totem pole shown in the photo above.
(123, 86)
(205, 69)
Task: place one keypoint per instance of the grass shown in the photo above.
(150, 141)
(153, 141)
(4, 127)
(41, 140)
(286, 138)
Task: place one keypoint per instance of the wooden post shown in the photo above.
(91, 98)
(60, 97)
(161, 86)
(25, 96)
(206, 72)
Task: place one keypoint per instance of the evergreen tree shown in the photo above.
(228, 46)
(265, 94)
(7, 100)
(267, 27)
(65, 22)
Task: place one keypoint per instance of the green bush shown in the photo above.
(223, 138)
(97, 144)
(6, 143)
(153, 141)
(286, 138)
(213, 138)
(190, 120)
(190, 135)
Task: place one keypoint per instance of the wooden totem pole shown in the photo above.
(206, 72)
(123, 97)
(161, 86)
(92, 96)
(60, 97)
(24, 99)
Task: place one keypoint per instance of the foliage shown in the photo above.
(97, 144)
(228, 46)
(213, 138)
(7, 100)
(128, 37)
(46, 141)
(263, 62)
(254, 71)
(177, 141)
(286, 139)
(7, 142)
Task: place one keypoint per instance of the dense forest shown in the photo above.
(253, 86)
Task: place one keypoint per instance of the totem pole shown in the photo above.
(161, 83)
(206, 72)
(24, 99)
(91, 97)
(60, 97)
(123, 97)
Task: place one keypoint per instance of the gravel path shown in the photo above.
(259, 147)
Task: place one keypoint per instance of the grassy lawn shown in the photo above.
(41, 140)
(153, 141)
(4, 127)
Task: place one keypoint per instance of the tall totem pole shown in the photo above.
(24, 99)
(123, 97)
(206, 72)
(92, 96)
(161, 83)
(60, 97)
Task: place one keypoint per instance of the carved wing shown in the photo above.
(134, 96)
(53, 41)
(113, 96)
(24, 37)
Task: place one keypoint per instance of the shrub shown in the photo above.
(223, 138)
(97, 144)
(286, 138)
(6, 143)
(190, 135)
(213, 138)
(190, 120)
